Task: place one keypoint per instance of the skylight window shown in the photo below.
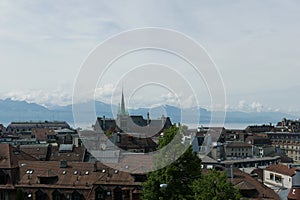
(29, 171)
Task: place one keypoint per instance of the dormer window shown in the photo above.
(48, 180)
(29, 171)
(3, 177)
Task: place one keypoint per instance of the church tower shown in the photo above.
(122, 109)
(122, 118)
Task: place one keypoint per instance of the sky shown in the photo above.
(254, 45)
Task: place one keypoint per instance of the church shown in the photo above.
(132, 124)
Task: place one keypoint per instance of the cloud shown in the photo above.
(42, 44)
(104, 92)
(45, 98)
(257, 106)
(242, 104)
(253, 106)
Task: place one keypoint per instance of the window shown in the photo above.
(48, 180)
(68, 196)
(77, 195)
(40, 195)
(277, 178)
(117, 193)
(57, 195)
(3, 177)
(100, 194)
(271, 176)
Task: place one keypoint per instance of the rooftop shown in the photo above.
(282, 169)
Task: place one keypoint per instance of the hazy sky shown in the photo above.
(255, 45)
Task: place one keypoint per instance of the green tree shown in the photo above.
(215, 186)
(179, 175)
(183, 178)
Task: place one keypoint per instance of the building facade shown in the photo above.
(279, 175)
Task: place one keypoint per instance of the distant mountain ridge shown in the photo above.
(13, 110)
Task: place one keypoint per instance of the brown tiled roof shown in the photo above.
(283, 158)
(46, 124)
(76, 155)
(263, 191)
(245, 185)
(128, 141)
(75, 175)
(38, 151)
(136, 163)
(41, 133)
(259, 173)
(258, 140)
(282, 169)
(9, 156)
(239, 144)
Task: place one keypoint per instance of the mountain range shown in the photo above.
(13, 110)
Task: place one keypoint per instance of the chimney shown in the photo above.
(148, 118)
(118, 137)
(104, 128)
(63, 164)
(163, 121)
(95, 167)
(295, 190)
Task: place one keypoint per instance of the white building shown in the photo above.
(279, 176)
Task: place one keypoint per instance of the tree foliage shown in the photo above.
(215, 186)
(183, 177)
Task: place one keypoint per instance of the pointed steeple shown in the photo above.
(122, 110)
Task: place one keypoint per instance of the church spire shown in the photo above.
(122, 108)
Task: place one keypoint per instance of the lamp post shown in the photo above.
(163, 186)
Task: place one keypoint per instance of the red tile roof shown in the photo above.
(75, 175)
(41, 133)
(239, 144)
(244, 181)
(9, 156)
(38, 151)
(76, 155)
(282, 169)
